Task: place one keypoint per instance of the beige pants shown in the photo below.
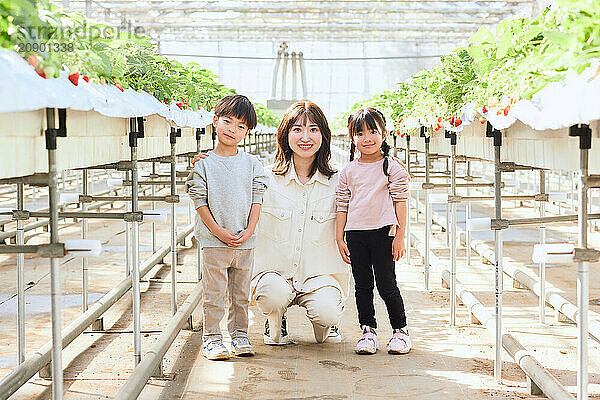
(324, 304)
(226, 270)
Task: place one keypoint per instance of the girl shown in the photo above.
(371, 210)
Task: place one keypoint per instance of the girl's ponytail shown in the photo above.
(352, 151)
(385, 150)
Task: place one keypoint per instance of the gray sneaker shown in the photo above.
(241, 346)
(215, 350)
(334, 335)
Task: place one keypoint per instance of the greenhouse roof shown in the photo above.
(344, 20)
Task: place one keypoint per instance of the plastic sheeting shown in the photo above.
(22, 89)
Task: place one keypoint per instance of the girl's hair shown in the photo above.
(303, 111)
(373, 120)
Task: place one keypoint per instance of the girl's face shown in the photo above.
(305, 138)
(368, 141)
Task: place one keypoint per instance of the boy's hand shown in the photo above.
(398, 248)
(198, 157)
(227, 237)
(242, 237)
(344, 251)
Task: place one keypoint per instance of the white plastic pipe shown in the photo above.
(479, 224)
(553, 253)
(69, 198)
(557, 196)
(114, 183)
(83, 247)
(438, 198)
(155, 216)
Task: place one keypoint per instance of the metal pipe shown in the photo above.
(84, 232)
(36, 360)
(452, 232)
(583, 281)
(284, 75)
(427, 216)
(499, 276)
(20, 281)
(153, 193)
(275, 73)
(294, 77)
(542, 303)
(136, 383)
(408, 204)
(135, 262)
(127, 234)
(303, 76)
(468, 216)
(173, 235)
(55, 292)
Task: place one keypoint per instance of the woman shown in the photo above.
(296, 258)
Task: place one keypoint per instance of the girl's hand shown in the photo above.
(398, 248)
(343, 249)
(198, 157)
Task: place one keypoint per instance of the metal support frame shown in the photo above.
(427, 212)
(542, 298)
(468, 211)
(84, 232)
(584, 133)
(452, 232)
(20, 239)
(55, 292)
(408, 205)
(174, 134)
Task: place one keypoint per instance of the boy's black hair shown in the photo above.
(238, 106)
(373, 120)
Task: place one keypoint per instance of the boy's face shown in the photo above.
(230, 130)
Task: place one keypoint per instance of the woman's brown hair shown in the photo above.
(303, 110)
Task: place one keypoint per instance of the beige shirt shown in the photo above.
(296, 231)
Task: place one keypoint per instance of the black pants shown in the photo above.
(371, 251)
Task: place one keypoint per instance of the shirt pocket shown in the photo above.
(322, 227)
(276, 223)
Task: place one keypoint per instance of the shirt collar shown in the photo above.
(318, 176)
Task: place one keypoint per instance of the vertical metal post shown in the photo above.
(275, 73)
(153, 191)
(199, 253)
(452, 232)
(127, 231)
(84, 232)
(468, 216)
(499, 269)
(583, 281)
(408, 206)
(559, 190)
(294, 77)
(542, 297)
(20, 280)
(135, 250)
(55, 292)
(286, 56)
(173, 229)
(427, 215)
(303, 76)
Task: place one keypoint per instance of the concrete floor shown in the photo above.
(446, 362)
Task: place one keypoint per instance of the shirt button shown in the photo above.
(300, 230)
(298, 248)
(302, 212)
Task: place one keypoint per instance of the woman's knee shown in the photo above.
(273, 293)
(327, 308)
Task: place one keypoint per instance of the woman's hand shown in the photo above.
(198, 157)
(343, 249)
(398, 248)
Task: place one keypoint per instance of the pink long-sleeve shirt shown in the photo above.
(368, 195)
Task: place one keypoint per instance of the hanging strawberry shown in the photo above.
(33, 60)
(86, 78)
(119, 86)
(74, 78)
(457, 122)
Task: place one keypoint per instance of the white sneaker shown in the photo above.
(334, 335)
(368, 342)
(215, 350)
(283, 339)
(241, 346)
(400, 342)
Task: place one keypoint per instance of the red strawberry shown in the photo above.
(33, 60)
(180, 105)
(457, 122)
(506, 110)
(439, 119)
(119, 86)
(451, 120)
(484, 109)
(86, 78)
(41, 72)
(482, 120)
(74, 78)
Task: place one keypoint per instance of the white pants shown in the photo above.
(324, 304)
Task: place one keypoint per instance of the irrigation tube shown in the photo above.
(20, 375)
(136, 383)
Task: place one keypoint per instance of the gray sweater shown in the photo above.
(228, 186)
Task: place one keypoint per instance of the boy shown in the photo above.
(227, 189)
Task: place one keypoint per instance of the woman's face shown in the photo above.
(305, 138)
